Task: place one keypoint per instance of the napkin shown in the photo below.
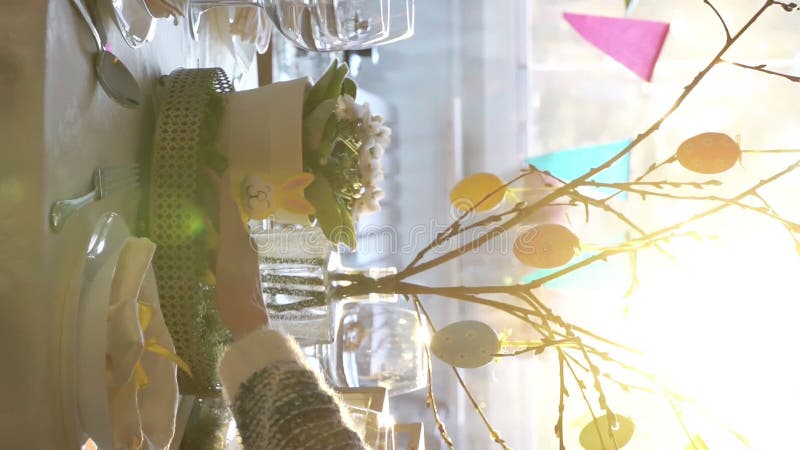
(140, 362)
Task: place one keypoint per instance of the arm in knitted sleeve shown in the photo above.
(278, 402)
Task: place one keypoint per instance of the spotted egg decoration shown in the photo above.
(598, 435)
(546, 246)
(467, 344)
(709, 153)
(469, 192)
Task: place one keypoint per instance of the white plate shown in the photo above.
(134, 21)
(83, 332)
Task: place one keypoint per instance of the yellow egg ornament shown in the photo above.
(597, 435)
(546, 246)
(709, 153)
(469, 192)
(467, 344)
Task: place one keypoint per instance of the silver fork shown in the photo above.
(105, 181)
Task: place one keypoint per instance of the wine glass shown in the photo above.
(400, 25)
(134, 21)
(335, 25)
(377, 344)
(196, 8)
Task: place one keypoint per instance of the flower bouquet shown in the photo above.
(342, 146)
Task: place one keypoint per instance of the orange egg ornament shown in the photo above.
(709, 153)
(471, 190)
(546, 246)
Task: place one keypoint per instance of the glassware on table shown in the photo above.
(301, 279)
(374, 398)
(409, 436)
(293, 261)
(134, 21)
(196, 8)
(334, 25)
(376, 428)
(377, 344)
(345, 21)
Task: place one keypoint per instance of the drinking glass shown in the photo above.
(349, 23)
(293, 261)
(400, 25)
(376, 428)
(335, 25)
(196, 8)
(303, 281)
(377, 344)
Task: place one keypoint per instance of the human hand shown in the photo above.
(238, 292)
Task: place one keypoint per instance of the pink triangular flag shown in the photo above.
(633, 42)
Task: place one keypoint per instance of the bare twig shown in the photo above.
(722, 21)
(502, 228)
(762, 68)
(431, 397)
(493, 433)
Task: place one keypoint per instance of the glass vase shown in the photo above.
(304, 283)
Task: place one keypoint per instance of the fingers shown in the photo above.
(227, 207)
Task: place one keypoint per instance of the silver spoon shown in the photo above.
(114, 77)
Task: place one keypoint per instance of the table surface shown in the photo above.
(56, 126)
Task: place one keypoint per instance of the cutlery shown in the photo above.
(114, 77)
(105, 181)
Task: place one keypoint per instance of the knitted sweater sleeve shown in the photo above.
(278, 402)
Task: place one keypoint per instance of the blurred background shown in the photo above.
(485, 84)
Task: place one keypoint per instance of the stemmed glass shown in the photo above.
(377, 344)
(326, 25)
(196, 8)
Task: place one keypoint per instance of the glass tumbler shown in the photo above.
(377, 344)
(303, 281)
(376, 428)
(293, 262)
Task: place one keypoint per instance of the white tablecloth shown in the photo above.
(56, 126)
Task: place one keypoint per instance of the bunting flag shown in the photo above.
(633, 42)
(569, 164)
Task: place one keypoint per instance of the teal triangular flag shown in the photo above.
(570, 164)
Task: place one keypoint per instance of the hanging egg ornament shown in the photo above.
(709, 153)
(471, 190)
(597, 435)
(466, 344)
(546, 246)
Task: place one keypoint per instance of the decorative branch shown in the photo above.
(577, 346)
(476, 243)
(431, 397)
(762, 68)
(492, 431)
(721, 20)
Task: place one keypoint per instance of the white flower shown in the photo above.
(383, 135)
(366, 114)
(378, 195)
(377, 176)
(348, 109)
(367, 142)
(377, 150)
